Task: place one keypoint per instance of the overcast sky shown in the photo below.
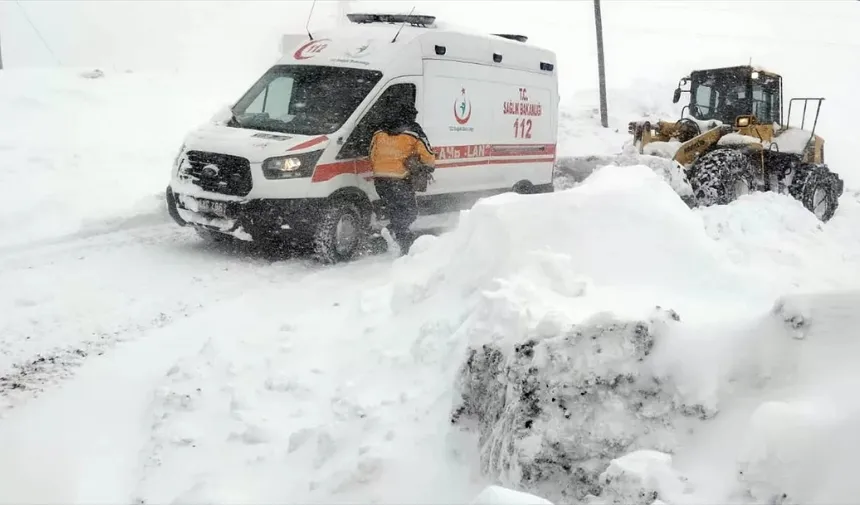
(643, 38)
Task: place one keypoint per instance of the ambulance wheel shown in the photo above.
(524, 188)
(340, 233)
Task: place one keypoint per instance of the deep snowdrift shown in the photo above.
(551, 299)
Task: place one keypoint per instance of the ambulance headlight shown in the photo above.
(291, 167)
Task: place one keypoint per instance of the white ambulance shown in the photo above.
(291, 155)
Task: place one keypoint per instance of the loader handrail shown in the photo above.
(805, 104)
(806, 101)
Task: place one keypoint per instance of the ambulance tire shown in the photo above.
(528, 188)
(340, 233)
(524, 188)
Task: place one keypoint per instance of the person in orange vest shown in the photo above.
(403, 163)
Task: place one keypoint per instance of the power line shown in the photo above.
(27, 17)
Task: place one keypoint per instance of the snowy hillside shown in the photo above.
(78, 153)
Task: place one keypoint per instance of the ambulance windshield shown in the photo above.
(303, 99)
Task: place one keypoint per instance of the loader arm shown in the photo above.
(693, 148)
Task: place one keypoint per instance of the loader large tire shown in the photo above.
(818, 190)
(720, 177)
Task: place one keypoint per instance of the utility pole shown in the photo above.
(604, 115)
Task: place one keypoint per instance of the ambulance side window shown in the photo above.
(358, 143)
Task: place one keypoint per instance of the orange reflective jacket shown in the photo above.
(388, 153)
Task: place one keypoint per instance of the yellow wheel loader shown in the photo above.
(732, 139)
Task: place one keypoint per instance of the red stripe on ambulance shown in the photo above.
(309, 143)
(451, 157)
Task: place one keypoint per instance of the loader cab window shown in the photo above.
(721, 95)
(358, 143)
(706, 100)
(765, 99)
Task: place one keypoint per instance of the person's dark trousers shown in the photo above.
(398, 196)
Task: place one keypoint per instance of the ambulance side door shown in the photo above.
(457, 120)
(357, 144)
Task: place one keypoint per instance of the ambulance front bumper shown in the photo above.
(248, 218)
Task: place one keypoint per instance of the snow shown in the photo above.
(496, 495)
(793, 140)
(737, 139)
(662, 149)
(642, 476)
(715, 346)
(85, 153)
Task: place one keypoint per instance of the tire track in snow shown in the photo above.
(30, 379)
(78, 299)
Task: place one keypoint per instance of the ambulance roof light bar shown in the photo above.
(421, 20)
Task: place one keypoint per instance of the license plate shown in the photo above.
(212, 207)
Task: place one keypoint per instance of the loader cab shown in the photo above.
(723, 94)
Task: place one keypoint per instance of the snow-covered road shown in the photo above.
(125, 351)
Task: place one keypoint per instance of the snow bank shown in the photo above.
(624, 233)
(800, 444)
(585, 146)
(580, 131)
(80, 153)
(572, 170)
(776, 230)
(496, 495)
(570, 361)
(555, 302)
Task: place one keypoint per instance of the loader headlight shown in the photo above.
(754, 75)
(291, 167)
(742, 122)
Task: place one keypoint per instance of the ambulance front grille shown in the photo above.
(219, 173)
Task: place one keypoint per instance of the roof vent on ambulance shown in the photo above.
(518, 38)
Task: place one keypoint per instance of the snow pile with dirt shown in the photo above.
(554, 410)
